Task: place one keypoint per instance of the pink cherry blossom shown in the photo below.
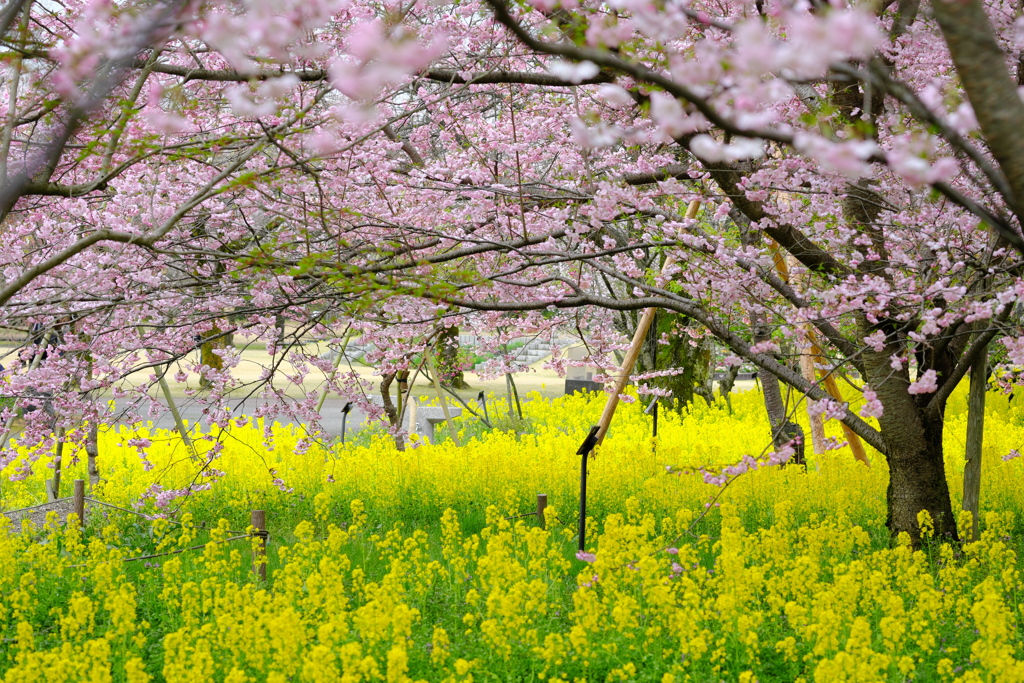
(925, 384)
(872, 406)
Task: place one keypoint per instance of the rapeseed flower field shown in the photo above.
(419, 566)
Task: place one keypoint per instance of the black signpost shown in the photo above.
(585, 448)
(483, 401)
(344, 417)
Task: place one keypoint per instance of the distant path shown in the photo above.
(330, 415)
(192, 412)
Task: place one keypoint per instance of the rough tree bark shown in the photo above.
(694, 361)
(92, 451)
(726, 385)
(975, 440)
(783, 429)
(389, 407)
(208, 355)
(913, 440)
(449, 366)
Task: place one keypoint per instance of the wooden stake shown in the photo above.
(542, 504)
(58, 462)
(259, 564)
(80, 501)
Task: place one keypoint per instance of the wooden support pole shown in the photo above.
(259, 524)
(818, 357)
(80, 501)
(334, 372)
(178, 421)
(975, 435)
(624, 372)
(542, 504)
(833, 390)
(851, 436)
(452, 432)
(635, 347)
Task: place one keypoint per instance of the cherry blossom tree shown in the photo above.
(178, 173)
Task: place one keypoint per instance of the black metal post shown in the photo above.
(584, 450)
(652, 410)
(583, 502)
(344, 417)
(483, 401)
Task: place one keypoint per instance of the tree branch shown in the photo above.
(949, 384)
(981, 66)
(740, 347)
(453, 76)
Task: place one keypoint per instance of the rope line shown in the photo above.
(177, 551)
(154, 517)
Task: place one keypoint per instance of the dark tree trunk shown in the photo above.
(913, 441)
(917, 478)
(911, 431)
(695, 361)
(783, 429)
(449, 365)
(207, 353)
(92, 451)
(389, 407)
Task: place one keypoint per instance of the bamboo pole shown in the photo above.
(334, 372)
(807, 363)
(178, 421)
(818, 357)
(635, 347)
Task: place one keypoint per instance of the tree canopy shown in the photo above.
(176, 172)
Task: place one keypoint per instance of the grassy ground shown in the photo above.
(402, 566)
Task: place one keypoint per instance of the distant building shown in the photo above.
(581, 378)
